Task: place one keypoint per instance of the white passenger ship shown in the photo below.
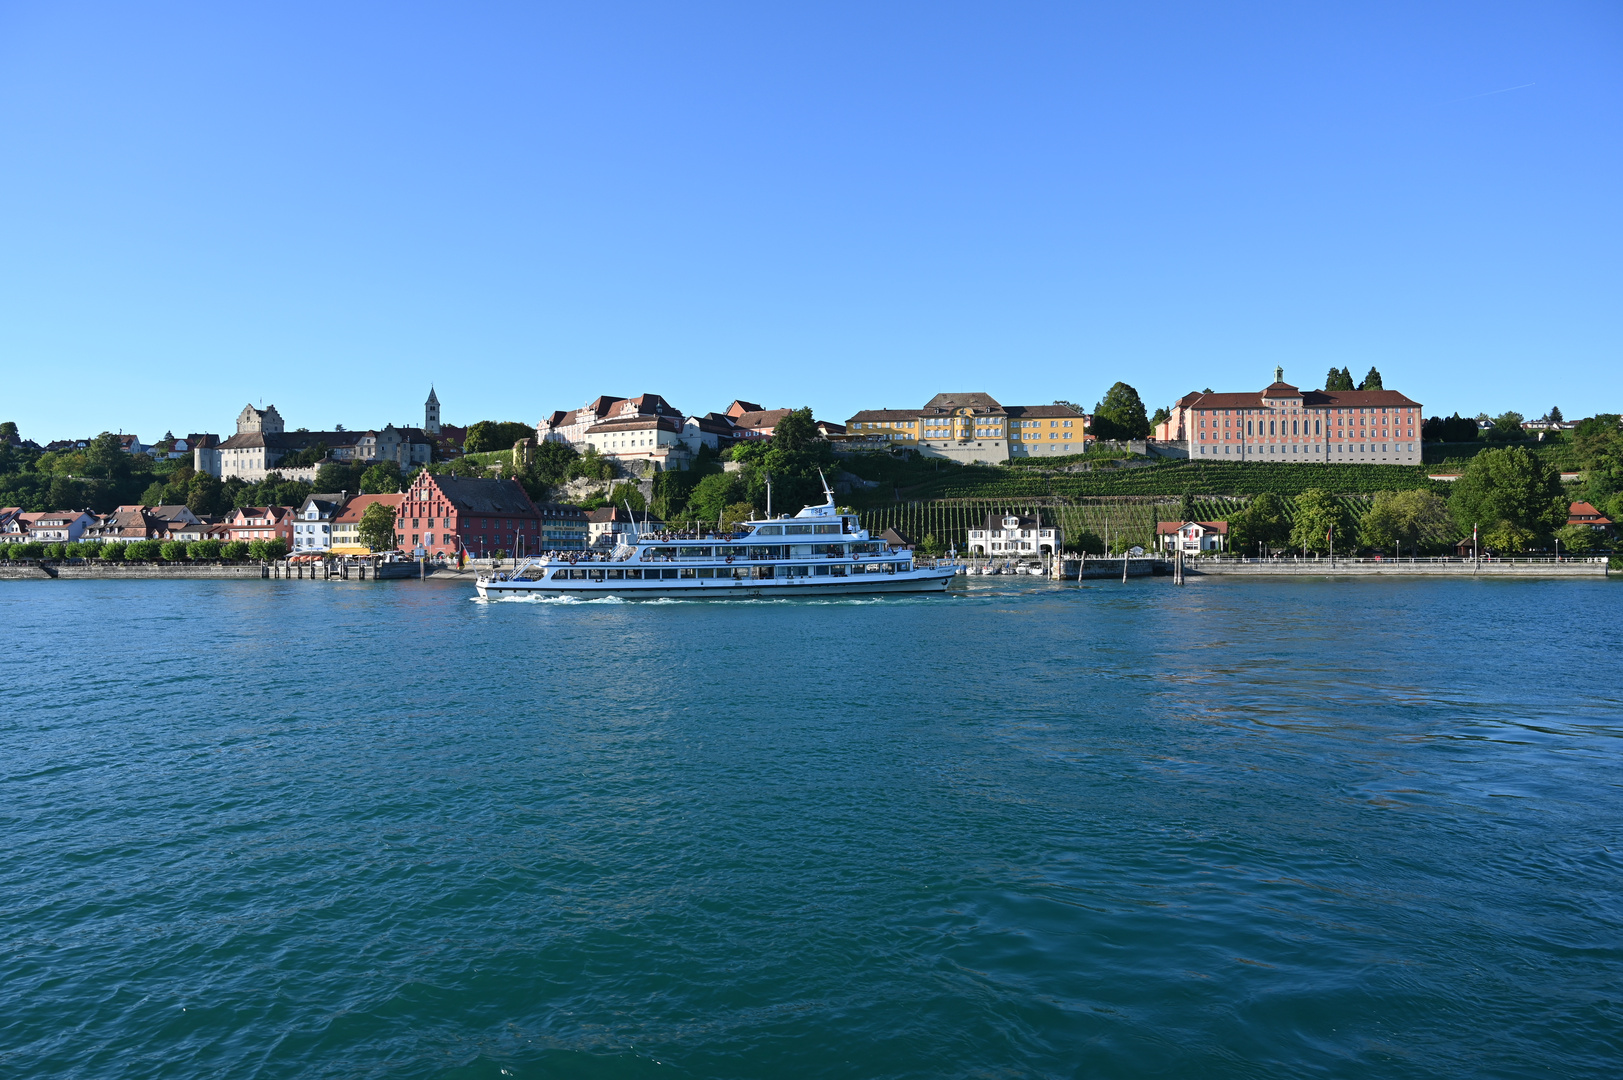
(818, 552)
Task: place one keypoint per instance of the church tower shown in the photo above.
(431, 413)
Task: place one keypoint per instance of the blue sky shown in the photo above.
(329, 206)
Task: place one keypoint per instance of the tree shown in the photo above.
(141, 550)
(1339, 380)
(1186, 508)
(105, 458)
(1576, 539)
(488, 435)
(339, 476)
(932, 546)
(1511, 491)
(713, 494)
(205, 496)
(306, 457)
(172, 550)
(1399, 519)
(1120, 414)
(235, 549)
(377, 527)
(1507, 427)
(592, 466)
(1319, 518)
(381, 479)
(630, 495)
(1453, 429)
(1261, 522)
(1555, 414)
(733, 513)
(114, 550)
(1161, 414)
(67, 493)
(203, 549)
(8, 432)
(1372, 381)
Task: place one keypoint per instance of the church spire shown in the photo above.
(431, 412)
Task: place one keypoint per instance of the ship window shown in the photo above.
(634, 574)
(693, 552)
(617, 575)
(821, 571)
(687, 571)
(597, 575)
(577, 575)
(827, 528)
(770, 530)
(904, 567)
(667, 575)
(797, 529)
(838, 571)
(859, 569)
(707, 573)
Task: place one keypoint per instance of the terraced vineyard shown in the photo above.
(1124, 519)
(1173, 479)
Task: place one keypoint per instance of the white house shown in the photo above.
(1192, 537)
(1015, 536)
(58, 526)
(313, 523)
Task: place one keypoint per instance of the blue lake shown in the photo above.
(1234, 829)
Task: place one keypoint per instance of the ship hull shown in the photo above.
(926, 581)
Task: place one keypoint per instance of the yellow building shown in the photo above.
(975, 428)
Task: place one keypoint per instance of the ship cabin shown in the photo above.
(819, 542)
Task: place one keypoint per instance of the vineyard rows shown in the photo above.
(1171, 480)
(1131, 519)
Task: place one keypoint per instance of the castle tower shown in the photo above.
(250, 419)
(431, 413)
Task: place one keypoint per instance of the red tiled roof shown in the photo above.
(357, 506)
(1167, 528)
(1582, 513)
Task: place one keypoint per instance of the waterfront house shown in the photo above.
(124, 524)
(346, 527)
(898, 539)
(1015, 536)
(1582, 513)
(13, 530)
(177, 512)
(58, 526)
(563, 527)
(1282, 423)
(1192, 537)
(249, 523)
(313, 521)
(442, 515)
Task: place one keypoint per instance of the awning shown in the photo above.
(351, 549)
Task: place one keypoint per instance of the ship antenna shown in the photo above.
(827, 491)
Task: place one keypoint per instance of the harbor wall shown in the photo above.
(1393, 568)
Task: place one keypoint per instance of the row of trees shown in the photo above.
(147, 550)
(1513, 497)
(1343, 380)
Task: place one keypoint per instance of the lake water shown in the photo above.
(1237, 829)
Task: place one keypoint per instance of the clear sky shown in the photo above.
(330, 206)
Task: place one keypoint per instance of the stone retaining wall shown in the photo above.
(1395, 568)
